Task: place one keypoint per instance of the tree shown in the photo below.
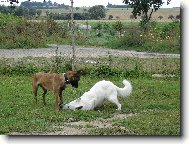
(142, 7)
(110, 17)
(5, 10)
(171, 17)
(118, 26)
(14, 1)
(26, 4)
(97, 12)
(85, 10)
(177, 17)
(49, 3)
(21, 11)
(39, 12)
(160, 17)
(117, 17)
(32, 12)
(47, 13)
(132, 17)
(98, 26)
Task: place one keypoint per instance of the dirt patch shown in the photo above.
(81, 127)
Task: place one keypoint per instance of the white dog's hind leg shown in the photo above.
(114, 100)
(118, 106)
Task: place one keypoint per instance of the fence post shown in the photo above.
(72, 37)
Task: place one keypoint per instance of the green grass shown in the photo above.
(156, 103)
(149, 123)
(61, 10)
(153, 123)
(116, 66)
(160, 37)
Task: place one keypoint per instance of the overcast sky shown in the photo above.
(80, 3)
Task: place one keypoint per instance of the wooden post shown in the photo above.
(72, 37)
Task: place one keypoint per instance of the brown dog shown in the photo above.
(56, 83)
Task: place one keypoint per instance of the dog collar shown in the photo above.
(66, 78)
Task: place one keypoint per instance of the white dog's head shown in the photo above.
(72, 105)
(64, 106)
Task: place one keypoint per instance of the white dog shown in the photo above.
(97, 94)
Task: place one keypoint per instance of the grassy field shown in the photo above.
(152, 109)
(162, 37)
(153, 106)
(123, 14)
(155, 101)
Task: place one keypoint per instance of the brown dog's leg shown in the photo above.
(44, 93)
(35, 94)
(56, 94)
(35, 88)
(60, 96)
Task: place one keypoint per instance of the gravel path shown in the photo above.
(66, 50)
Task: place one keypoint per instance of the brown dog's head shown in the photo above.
(73, 77)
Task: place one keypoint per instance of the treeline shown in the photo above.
(21, 11)
(117, 6)
(43, 4)
(63, 16)
(95, 12)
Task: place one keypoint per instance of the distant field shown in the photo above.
(54, 11)
(123, 14)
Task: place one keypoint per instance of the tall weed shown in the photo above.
(16, 32)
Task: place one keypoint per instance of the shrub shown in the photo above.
(98, 26)
(110, 17)
(172, 30)
(18, 33)
(118, 26)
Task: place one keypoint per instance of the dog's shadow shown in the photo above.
(107, 106)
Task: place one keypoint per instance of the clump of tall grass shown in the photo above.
(18, 33)
(94, 67)
(164, 39)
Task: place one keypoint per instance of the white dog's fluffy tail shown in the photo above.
(126, 91)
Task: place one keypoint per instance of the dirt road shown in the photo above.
(65, 50)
